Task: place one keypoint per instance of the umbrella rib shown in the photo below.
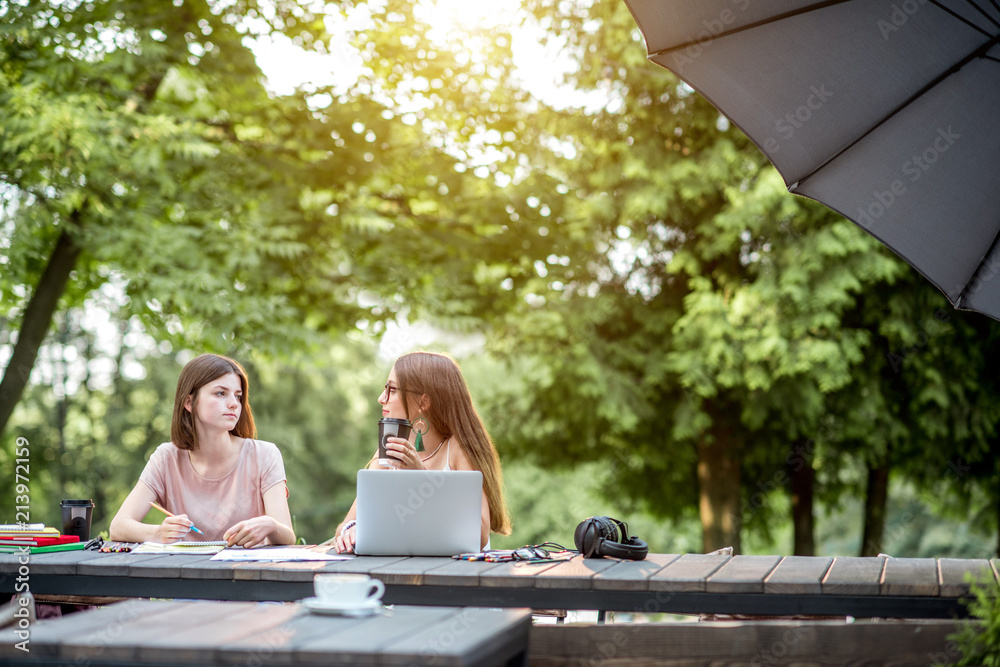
(985, 14)
(978, 53)
(965, 290)
(964, 20)
(749, 26)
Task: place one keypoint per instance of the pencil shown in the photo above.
(162, 509)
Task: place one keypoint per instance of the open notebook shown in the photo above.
(180, 548)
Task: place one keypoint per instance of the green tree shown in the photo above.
(140, 149)
(695, 331)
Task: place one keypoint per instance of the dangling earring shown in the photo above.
(419, 443)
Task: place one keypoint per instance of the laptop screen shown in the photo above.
(418, 512)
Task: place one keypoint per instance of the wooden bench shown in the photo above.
(752, 643)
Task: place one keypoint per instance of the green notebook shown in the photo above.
(72, 546)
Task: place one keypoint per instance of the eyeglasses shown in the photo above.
(390, 389)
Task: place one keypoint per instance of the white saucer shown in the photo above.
(334, 608)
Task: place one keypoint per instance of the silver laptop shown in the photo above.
(418, 512)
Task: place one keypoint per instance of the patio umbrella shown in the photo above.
(884, 110)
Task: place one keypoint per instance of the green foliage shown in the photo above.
(979, 643)
(234, 219)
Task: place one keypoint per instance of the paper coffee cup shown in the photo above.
(390, 427)
(76, 517)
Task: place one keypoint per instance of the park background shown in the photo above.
(651, 326)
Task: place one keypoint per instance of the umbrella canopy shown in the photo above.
(884, 110)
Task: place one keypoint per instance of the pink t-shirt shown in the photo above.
(214, 504)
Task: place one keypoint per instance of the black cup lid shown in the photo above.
(78, 503)
(393, 420)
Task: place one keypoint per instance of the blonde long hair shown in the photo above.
(452, 414)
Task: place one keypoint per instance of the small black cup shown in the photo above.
(76, 516)
(390, 427)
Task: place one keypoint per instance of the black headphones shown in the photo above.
(598, 536)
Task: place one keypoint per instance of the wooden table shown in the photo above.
(249, 633)
(690, 583)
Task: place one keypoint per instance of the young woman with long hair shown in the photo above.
(214, 476)
(428, 389)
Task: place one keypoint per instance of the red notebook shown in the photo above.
(15, 540)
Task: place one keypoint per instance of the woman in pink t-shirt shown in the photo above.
(214, 474)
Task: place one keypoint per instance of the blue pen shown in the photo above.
(193, 527)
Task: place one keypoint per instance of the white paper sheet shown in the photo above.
(276, 554)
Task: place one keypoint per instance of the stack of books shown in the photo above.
(38, 537)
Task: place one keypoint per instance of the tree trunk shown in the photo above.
(35, 323)
(876, 497)
(802, 477)
(719, 489)
(996, 490)
(61, 379)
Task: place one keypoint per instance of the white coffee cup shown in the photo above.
(347, 589)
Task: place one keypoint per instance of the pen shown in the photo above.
(193, 527)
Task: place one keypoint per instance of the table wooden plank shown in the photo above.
(361, 564)
(408, 572)
(142, 631)
(471, 636)
(290, 571)
(688, 573)
(230, 624)
(62, 562)
(369, 638)
(203, 567)
(459, 573)
(116, 636)
(88, 627)
(514, 575)
(277, 645)
(154, 566)
(798, 575)
(115, 565)
(575, 574)
(632, 575)
(910, 576)
(952, 573)
(742, 574)
(852, 575)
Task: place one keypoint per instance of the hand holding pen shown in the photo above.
(172, 527)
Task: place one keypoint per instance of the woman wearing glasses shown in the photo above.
(428, 390)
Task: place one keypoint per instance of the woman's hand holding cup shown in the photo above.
(401, 454)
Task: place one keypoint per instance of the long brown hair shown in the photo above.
(196, 374)
(452, 413)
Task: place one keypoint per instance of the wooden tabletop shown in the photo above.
(689, 583)
(253, 633)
